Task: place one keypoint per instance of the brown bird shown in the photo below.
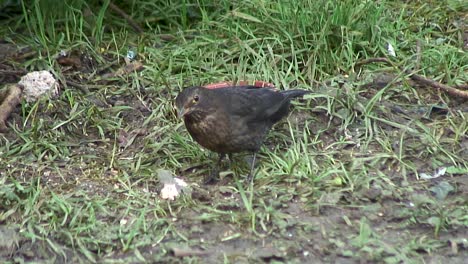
(232, 119)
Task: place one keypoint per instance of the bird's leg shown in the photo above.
(251, 175)
(230, 159)
(214, 171)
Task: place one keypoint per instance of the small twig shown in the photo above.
(130, 21)
(13, 72)
(80, 87)
(418, 78)
(453, 91)
(372, 60)
(127, 69)
(25, 55)
(103, 68)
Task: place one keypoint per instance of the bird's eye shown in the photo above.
(195, 99)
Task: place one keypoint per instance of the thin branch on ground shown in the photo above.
(418, 78)
(130, 20)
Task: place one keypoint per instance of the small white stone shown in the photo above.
(169, 191)
(391, 50)
(38, 83)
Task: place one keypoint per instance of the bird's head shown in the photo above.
(190, 101)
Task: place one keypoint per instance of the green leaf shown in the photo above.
(456, 170)
(246, 16)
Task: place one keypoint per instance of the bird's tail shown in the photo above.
(281, 109)
(294, 93)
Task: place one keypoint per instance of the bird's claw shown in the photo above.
(250, 178)
(212, 178)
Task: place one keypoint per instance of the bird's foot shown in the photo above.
(211, 178)
(251, 175)
(250, 178)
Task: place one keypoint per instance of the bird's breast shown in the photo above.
(210, 131)
(222, 134)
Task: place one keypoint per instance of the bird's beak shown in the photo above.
(182, 112)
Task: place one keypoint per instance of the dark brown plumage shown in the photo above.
(232, 119)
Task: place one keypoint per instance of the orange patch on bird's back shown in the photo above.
(258, 84)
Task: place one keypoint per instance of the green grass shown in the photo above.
(339, 178)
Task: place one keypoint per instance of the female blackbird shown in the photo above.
(232, 119)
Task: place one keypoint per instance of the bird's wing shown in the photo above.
(253, 103)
